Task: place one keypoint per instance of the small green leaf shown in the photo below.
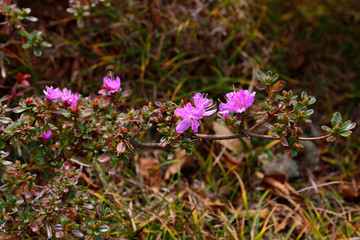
(331, 139)
(31, 18)
(88, 206)
(275, 77)
(27, 10)
(294, 152)
(5, 120)
(104, 228)
(40, 158)
(26, 45)
(345, 124)
(80, 125)
(4, 188)
(312, 100)
(309, 112)
(297, 107)
(9, 130)
(345, 133)
(66, 113)
(70, 10)
(45, 44)
(261, 76)
(171, 156)
(21, 32)
(188, 151)
(351, 126)
(326, 128)
(336, 119)
(37, 52)
(304, 95)
(77, 233)
(19, 109)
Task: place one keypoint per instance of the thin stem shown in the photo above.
(138, 144)
(218, 137)
(315, 138)
(225, 137)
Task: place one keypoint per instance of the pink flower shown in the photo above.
(191, 115)
(52, 94)
(237, 102)
(202, 104)
(45, 136)
(68, 98)
(110, 86)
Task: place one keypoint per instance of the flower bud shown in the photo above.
(95, 104)
(29, 101)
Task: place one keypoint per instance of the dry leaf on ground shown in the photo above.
(234, 145)
(348, 190)
(149, 169)
(278, 182)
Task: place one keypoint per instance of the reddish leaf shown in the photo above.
(121, 147)
(279, 86)
(104, 158)
(36, 226)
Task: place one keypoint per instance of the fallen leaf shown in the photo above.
(234, 145)
(149, 169)
(213, 204)
(348, 190)
(278, 182)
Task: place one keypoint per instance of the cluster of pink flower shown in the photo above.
(191, 115)
(66, 96)
(110, 86)
(237, 102)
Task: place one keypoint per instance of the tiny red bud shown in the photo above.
(95, 104)
(29, 101)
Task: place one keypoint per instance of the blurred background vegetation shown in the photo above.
(187, 46)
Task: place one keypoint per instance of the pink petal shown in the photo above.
(195, 125)
(183, 125)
